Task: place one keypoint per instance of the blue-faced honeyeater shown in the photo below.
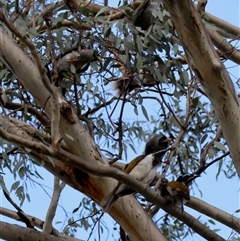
(177, 192)
(143, 168)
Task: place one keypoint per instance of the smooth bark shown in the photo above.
(209, 70)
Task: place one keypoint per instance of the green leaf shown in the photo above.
(14, 186)
(145, 112)
(28, 197)
(107, 32)
(89, 85)
(19, 191)
(219, 145)
(195, 102)
(69, 137)
(38, 175)
(21, 172)
(4, 97)
(72, 69)
(102, 10)
(140, 100)
(204, 137)
(136, 110)
(75, 210)
(219, 168)
(28, 149)
(159, 14)
(139, 43)
(185, 77)
(85, 11)
(175, 49)
(211, 221)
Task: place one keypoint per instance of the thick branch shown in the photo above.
(78, 141)
(68, 169)
(225, 47)
(35, 221)
(215, 213)
(25, 107)
(115, 173)
(15, 232)
(224, 25)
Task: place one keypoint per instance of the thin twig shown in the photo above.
(215, 160)
(20, 212)
(169, 108)
(206, 149)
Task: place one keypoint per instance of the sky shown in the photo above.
(222, 193)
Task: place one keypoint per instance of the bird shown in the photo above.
(177, 192)
(127, 83)
(80, 59)
(143, 168)
(143, 16)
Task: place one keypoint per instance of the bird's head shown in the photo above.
(187, 178)
(163, 142)
(96, 56)
(157, 143)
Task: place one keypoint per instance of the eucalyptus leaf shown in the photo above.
(219, 145)
(144, 111)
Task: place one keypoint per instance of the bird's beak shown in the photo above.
(196, 175)
(168, 139)
(99, 59)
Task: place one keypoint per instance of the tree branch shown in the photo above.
(225, 47)
(15, 232)
(210, 71)
(34, 220)
(224, 25)
(94, 186)
(215, 213)
(121, 176)
(57, 189)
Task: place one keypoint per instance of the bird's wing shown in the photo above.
(177, 188)
(134, 162)
(73, 59)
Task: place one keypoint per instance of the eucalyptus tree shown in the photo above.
(83, 85)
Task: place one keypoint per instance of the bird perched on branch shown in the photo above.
(148, 76)
(143, 168)
(79, 58)
(177, 192)
(126, 85)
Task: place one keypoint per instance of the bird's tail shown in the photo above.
(109, 200)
